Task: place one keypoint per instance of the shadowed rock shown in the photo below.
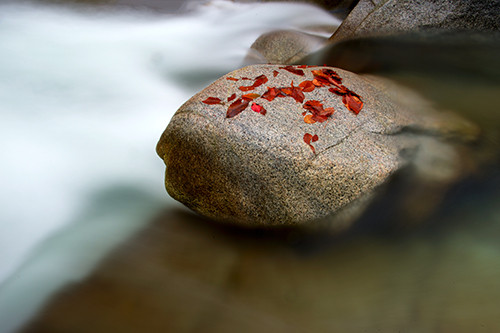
(387, 17)
(256, 169)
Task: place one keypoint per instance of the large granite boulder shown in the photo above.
(283, 145)
(372, 18)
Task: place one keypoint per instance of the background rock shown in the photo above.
(283, 47)
(257, 170)
(386, 17)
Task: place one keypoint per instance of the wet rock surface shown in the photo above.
(387, 17)
(279, 163)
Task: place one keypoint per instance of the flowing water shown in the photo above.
(84, 97)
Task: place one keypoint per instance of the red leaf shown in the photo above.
(233, 96)
(231, 78)
(250, 96)
(258, 108)
(259, 80)
(275, 73)
(327, 112)
(328, 75)
(237, 107)
(212, 100)
(270, 94)
(313, 106)
(339, 90)
(293, 70)
(246, 88)
(297, 94)
(307, 86)
(307, 139)
(352, 102)
(314, 138)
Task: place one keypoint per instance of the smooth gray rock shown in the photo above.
(255, 169)
(372, 18)
(283, 47)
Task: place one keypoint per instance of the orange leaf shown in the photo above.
(231, 78)
(309, 119)
(307, 86)
(250, 96)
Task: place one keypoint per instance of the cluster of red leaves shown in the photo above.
(324, 77)
(318, 113)
(292, 91)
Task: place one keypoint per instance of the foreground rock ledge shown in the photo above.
(260, 169)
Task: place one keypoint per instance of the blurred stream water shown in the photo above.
(84, 97)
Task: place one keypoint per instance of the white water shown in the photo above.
(84, 98)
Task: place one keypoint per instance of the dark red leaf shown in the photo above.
(313, 106)
(275, 73)
(259, 80)
(237, 107)
(293, 70)
(270, 94)
(297, 94)
(341, 91)
(230, 98)
(212, 100)
(314, 138)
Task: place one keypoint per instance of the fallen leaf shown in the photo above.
(307, 86)
(314, 138)
(212, 100)
(309, 119)
(297, 94)
(307, 139)
(237, 107)
(339, 90)
(231, 78)
(275, 73)
(250, 96)
(352, 102)
(270, 94)
(258, 108)
(293, 70)
(230, 98)
(259, 80)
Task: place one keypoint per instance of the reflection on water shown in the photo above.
(184, 274)
(86, 112)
